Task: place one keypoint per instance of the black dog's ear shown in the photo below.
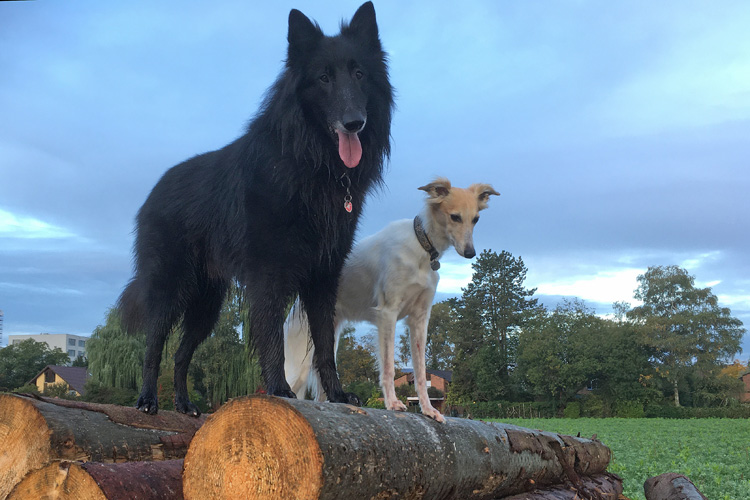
(303, 35)
(437, 189)
(364, 25)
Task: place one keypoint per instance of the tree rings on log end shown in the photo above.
(58, 480)
(25, 439)
(261, 447)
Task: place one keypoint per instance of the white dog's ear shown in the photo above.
(437, 189)
(483, 192)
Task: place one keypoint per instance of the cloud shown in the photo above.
(604, 286)
(454, 276)
(15, 226)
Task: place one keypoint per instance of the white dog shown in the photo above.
(392, 275)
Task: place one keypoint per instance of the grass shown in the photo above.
(713, 453)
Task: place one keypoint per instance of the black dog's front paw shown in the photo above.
(147, 404)
(352, 399)
(347, 398)
(186, 407)
(283, 393)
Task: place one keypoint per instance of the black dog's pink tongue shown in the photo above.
(350, 149)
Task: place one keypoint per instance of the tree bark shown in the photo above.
(100, 481)
(595, 487)
(34, 431)
(265, 447)
(671, 486)
(676, 394)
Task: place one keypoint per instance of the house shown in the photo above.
(75, 378)
(745, 394)
(439, 379)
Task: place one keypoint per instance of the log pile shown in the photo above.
(36, 432)
(270, 448)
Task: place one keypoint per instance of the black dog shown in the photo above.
(276, 209)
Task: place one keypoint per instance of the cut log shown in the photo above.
(36, 431)
(99, 481)
(265, 447)
(671, 486)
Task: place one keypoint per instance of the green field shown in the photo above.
(713, 453)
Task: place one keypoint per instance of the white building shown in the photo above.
(74, 345)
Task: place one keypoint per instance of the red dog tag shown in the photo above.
(348, 206)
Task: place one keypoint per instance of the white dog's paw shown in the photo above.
(396, 405)
(434, 414)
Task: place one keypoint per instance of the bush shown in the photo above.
(404, 391)
(375, 402)
(572, 410)
(363, 389)
(593, 406)
(502, 409)
(98, 393)
(671, 411)
(434, 392)
(27, 389)
(629, 409)
(59, 390)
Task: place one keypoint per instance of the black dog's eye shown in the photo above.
(359, 74)
(455, 218)
(475, 220)
(324, 78)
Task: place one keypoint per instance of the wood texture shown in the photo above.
(100, 481)
(264, 447)
(37, 431)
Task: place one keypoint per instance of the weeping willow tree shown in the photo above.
(223, 367)
(116, 358)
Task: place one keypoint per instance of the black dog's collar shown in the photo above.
(424, 240)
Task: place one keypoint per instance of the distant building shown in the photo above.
(74, 345)
(439, 379)
(74, 377)
(745, 395)
(1, 327)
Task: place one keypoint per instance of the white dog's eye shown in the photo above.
(455, 217)
(475, 220)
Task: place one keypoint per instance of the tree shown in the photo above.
(497, 293)
(492, 310)
(555, 351)
(355, 360)
(20, 362)
(438, 349)
(684, 325)
(225, 365)
(116, 357)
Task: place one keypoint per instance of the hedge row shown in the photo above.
(591, 407)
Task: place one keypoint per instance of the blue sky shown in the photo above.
(616, 133)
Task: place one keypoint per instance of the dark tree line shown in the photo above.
(502, 345)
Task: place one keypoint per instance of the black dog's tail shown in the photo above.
(131, 307)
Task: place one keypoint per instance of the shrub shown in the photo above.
(27, 389)
(434, 392)
(98, 393)
(59, 390)
(629, 409)
(593, 406)
(572, 410)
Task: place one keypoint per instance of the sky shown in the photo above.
(617, 134)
